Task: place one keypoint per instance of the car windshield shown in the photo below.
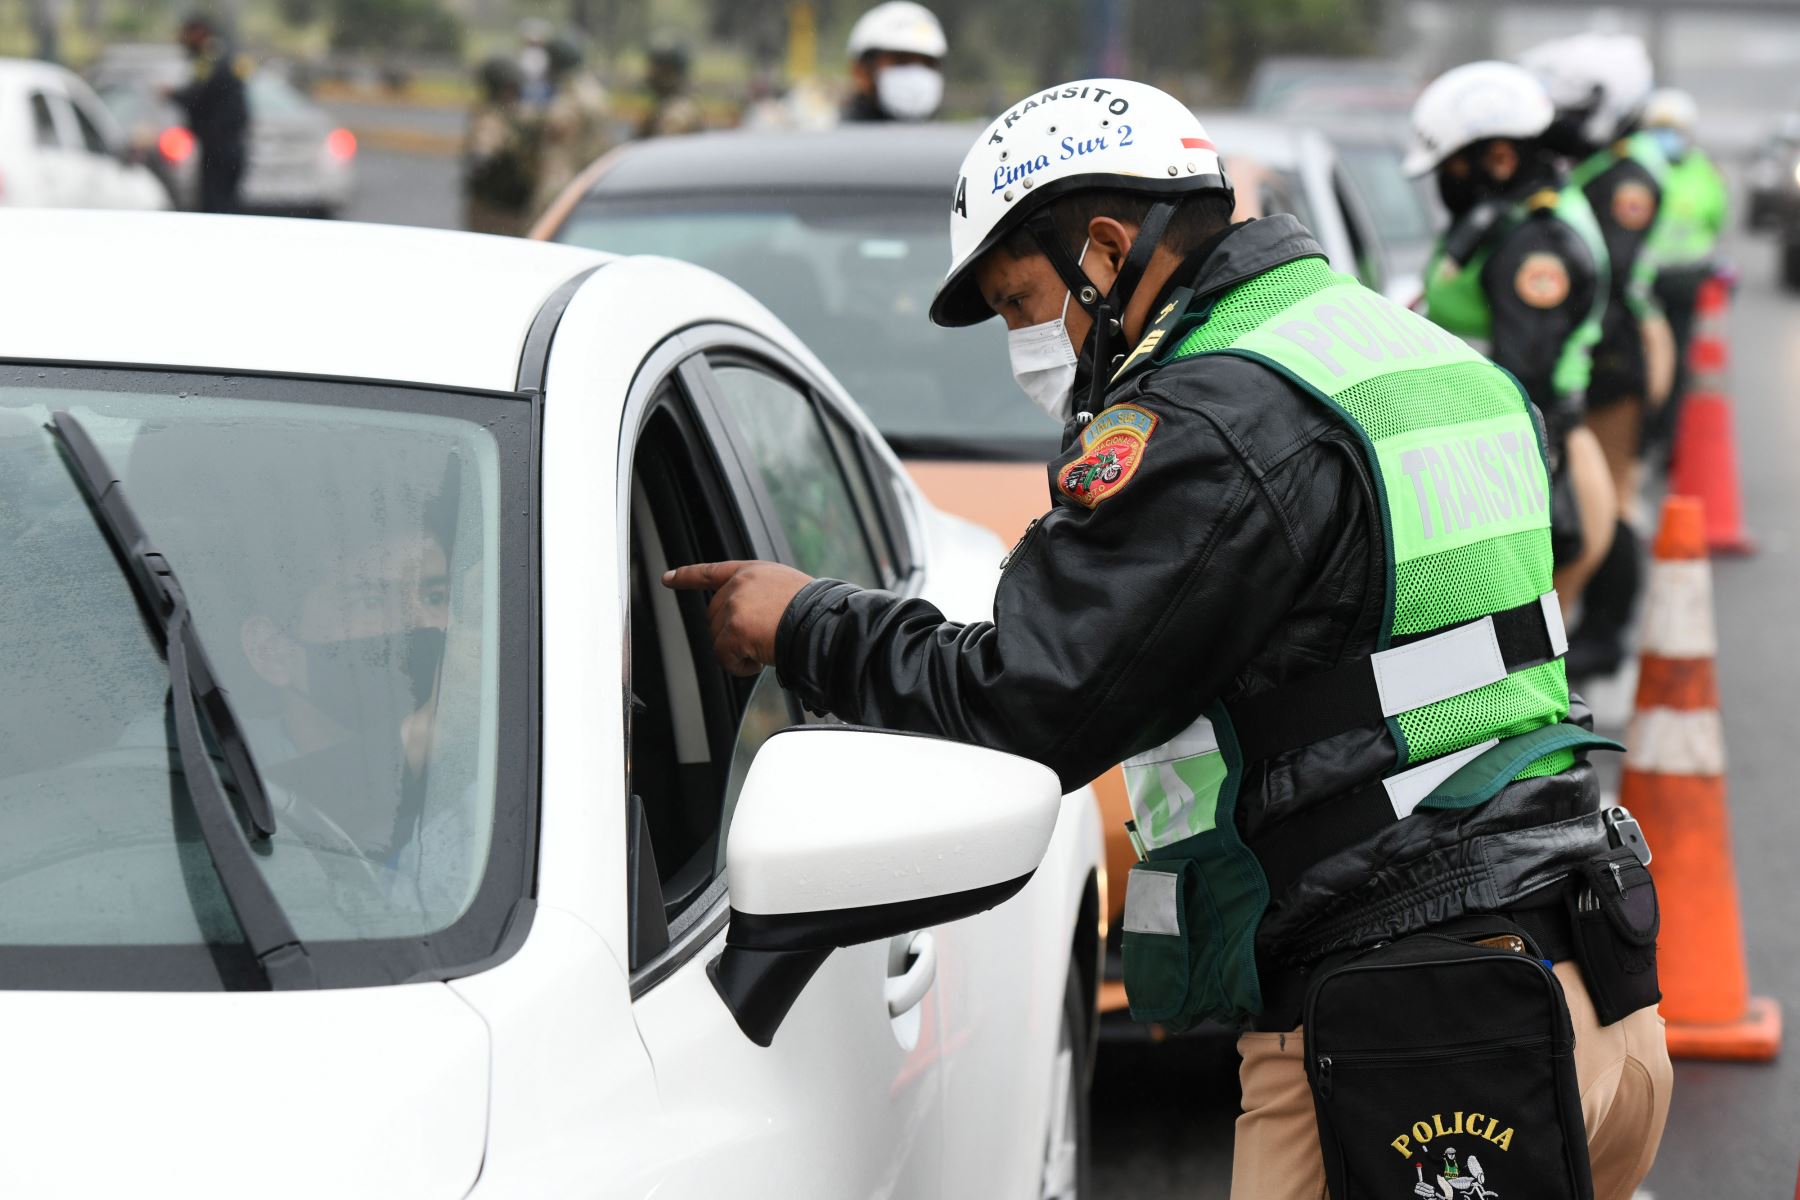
(340, 548)
(853, 276)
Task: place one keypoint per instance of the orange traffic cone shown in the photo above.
(1705, 442)
(1675, 786)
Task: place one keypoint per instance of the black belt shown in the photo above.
(1350, 695)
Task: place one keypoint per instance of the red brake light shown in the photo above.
(175, 144)
(340, 143)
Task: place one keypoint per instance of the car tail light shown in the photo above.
(341, 143)
(175, 144)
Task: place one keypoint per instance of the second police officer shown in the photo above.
(896, 54)
(1296, 576)
(1600, 84)
(1521, 273)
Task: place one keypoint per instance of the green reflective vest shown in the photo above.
(1641, 148)
(1460, 469)
(1456, 299)
(1695, 208)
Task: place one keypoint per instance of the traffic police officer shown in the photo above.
(1518, 274)
(1695, 207)
(896, 64)
(1283, 508)
(217, 112)
(1600, 84)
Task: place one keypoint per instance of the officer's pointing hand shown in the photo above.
(748, 600)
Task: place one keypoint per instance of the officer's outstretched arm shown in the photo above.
(1166, 565)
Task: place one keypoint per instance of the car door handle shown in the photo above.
(912, 966)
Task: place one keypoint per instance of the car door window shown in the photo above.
(693, 729)
(92, 140)
(1362, 247)
(807, 490)
(43, 123)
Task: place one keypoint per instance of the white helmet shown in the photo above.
(1671, 108)
(1472, 103)
(898, 27)
(1602, 79)
(1092, 133)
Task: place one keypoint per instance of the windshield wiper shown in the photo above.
(193, 688)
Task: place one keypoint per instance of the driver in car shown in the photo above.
(339, 610)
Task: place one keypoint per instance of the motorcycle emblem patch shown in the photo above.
(1440, 1172)
(1112, 446)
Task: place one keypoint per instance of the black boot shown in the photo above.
(1597, 648)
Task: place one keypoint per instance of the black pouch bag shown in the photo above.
(1443, 1065)
(1614, 917)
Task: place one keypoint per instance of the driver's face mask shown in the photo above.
(1044, 360)
(911, 92)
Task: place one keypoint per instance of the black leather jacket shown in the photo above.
(1245, 552)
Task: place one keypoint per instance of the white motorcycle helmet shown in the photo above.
(1092, 133)
(898, 27)
(912, 90)
(1470, 104)
(1671, 108)
(1599, 80)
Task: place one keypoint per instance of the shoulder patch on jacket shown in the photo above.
(1633, 205)
(1542, 280)
(1112, 447)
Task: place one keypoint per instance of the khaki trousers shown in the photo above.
(1623, 1071)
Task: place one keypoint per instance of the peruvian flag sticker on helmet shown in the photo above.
(1188, 143)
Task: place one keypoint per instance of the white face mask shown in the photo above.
(1044, 360)
(909, 93)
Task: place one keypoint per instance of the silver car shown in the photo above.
(301, 162)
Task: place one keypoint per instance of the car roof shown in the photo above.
(883, 157)
(17, 71)
(1277, 144)
(273, 295)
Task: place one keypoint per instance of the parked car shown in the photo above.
(551, 905)
(1773, 175)
(1298, 85)
(60, 148)
(845, 235)
(1406, 212)
(1314, 184)
(301, 161)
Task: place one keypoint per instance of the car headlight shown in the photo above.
(1797, 174)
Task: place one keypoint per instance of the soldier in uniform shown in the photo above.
(1308, 476)
(499, 166)
(673, 109)
(1519, 275)
(572, 130)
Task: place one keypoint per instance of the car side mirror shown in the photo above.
(845, 835)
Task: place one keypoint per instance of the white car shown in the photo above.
(405, 496)
(61, 148)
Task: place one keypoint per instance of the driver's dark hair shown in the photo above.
(1201, 215)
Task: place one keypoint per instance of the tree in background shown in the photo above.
(394, 27)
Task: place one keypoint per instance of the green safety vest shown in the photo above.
(1460, 468)
(1456, 300)
(1642, 149)
(1695, 208)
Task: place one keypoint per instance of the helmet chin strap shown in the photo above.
(1108, 311)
